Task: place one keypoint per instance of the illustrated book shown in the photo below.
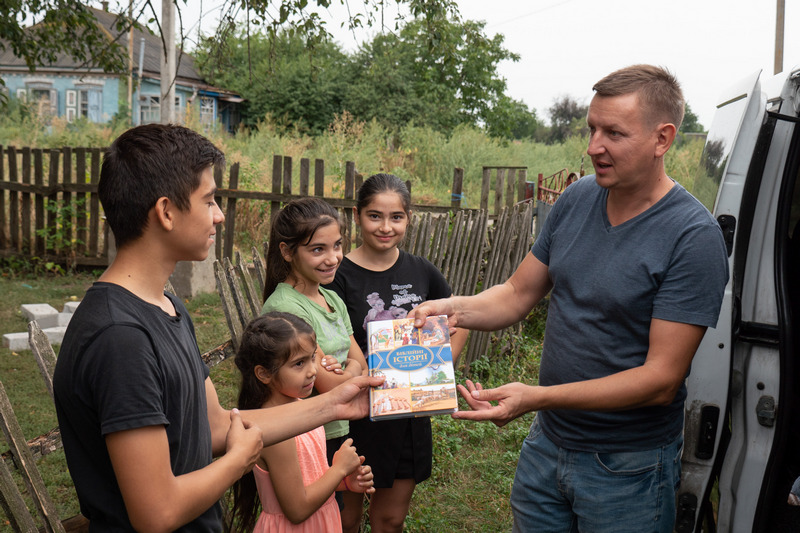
(417, 364)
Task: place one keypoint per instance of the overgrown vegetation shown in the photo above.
(420, 154)
(474, 463)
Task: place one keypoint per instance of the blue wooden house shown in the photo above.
(71, 90)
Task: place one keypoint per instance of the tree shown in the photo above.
(439, 80)
(512, 119)
(690, 124)
(69, 27)
(567, 117)
(383, 85)
(280, 75)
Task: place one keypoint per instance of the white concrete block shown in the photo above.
(55, 335)
(63, 319)
(191, 278)
(70, 307)
(16, 341)
(45, 314)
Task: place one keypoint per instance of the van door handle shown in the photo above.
(728, 225)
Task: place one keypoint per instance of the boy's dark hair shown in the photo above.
(295, 224)
(144, 164)
(659, 91)
(380, 183)
(268, 340)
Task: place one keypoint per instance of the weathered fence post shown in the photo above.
(26, 242)
(40, 239)
(458, 185)
(13, 203)
(80, 200)
(319, 177)
(68, 227)
(275, 206)
(287, 175)
(304, 168)
(510, 186)
(522, 180)
(94, 202)
(3, 234)
(349, 194)
(52, 202)
(485, 184)
(230, 217)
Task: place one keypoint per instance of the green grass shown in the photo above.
(473, 462)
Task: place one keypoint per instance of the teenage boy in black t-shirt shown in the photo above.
(139, 416)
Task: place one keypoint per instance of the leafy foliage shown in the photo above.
(567, 118)
(286, 76)
(61, 27)
(440, 75)
(691, 123)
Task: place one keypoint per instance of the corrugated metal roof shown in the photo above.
(152, 55)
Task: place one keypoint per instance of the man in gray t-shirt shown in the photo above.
(637, 268)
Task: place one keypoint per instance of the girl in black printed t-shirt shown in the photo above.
(379, 281)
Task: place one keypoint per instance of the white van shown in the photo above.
(742, 427)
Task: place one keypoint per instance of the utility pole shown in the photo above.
(130, 60)
(168, 73)
(779, 19)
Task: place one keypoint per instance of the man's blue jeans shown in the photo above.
(560, 490)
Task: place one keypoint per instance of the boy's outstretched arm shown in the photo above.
(156, 499)
(348, 401)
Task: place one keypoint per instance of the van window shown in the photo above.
(717, 150)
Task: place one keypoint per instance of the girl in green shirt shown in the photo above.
(305, 251)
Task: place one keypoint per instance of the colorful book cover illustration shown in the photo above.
(417, 364)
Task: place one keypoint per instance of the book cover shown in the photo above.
(417, 364)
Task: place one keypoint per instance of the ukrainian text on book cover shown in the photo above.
(417, 364)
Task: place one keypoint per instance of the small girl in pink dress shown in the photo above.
(291, 483)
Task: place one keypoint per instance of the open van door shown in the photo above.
(741, 431)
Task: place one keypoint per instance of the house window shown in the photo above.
(150, 108)
(71, 105)
(206, 110)
(42, 97)
(90, 103)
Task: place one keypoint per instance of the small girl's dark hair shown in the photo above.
(379, 183)
(269, 341)
(296, 223)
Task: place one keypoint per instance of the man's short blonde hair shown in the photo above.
(658, 89)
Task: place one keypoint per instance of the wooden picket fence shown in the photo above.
(50, 209)
(470, 253)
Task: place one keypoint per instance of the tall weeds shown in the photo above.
(421, 155)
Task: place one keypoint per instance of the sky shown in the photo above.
(565, 46)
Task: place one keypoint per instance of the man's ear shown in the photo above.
(286, 253)
(665, 135)
(262, 374)
(164, 211)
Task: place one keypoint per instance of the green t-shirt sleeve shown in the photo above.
(281, 301)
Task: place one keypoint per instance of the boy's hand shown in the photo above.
(243, 438)
(361, 480)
